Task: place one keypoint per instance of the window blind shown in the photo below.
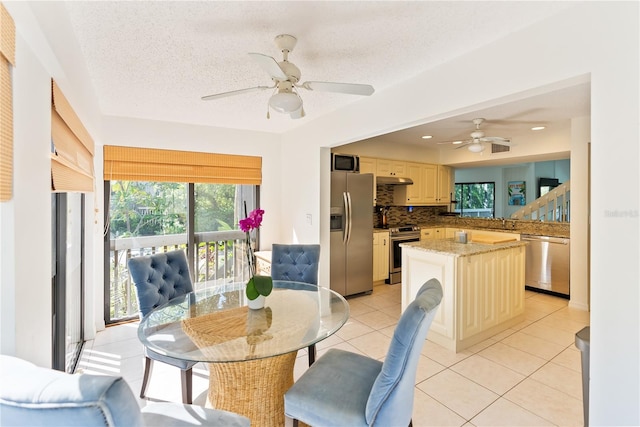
(72, 159)
(7, 61)
(149, 164)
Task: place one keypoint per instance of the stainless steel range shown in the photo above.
(399, 234)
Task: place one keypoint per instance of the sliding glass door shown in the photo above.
(67, 279)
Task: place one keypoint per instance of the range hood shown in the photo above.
(393, 180)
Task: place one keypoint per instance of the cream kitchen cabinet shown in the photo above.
(431, 185)
(432, 233)
(443, 195)
(380, 255)
(436, 184)
(410, 194)
(368, 165)
(386, 167)
(483, 287)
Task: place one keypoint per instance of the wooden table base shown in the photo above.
(253, 388)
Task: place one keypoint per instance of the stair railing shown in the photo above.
(552, 207)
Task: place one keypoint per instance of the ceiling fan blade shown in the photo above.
(455, 142)
(234, 92)
(269, 65)
(496, 140)
(464, 144)
(349, 88)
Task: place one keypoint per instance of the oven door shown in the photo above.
(395, 256)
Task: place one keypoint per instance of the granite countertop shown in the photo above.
(553, 229)
(450, 247)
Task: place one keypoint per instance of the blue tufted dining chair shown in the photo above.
(344, 388)
(296, 263)
(159, 278)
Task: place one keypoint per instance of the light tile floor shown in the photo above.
(529, 375)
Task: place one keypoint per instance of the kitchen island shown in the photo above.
(483, 287)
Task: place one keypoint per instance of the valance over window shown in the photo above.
(73, 147)
(7, 61)
(150, 164)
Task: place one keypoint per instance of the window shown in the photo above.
(475, 199)
(149, 217)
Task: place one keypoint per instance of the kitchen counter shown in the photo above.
(552, 229)
(450, 247)
(483, 287)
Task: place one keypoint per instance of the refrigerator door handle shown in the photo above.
(347, 218)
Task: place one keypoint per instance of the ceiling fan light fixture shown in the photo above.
(285, 102)
(476, 148)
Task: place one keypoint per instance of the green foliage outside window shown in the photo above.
(475, 199)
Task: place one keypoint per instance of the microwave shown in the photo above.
(345, 162)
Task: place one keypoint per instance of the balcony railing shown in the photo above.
(220, 257)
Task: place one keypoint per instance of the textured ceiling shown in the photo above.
(155, 60)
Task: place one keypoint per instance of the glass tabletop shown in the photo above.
(215, 325)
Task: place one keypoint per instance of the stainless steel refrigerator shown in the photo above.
(351, 254)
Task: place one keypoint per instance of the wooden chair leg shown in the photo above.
(312, 354)
(148, 367)
(186, 378)
(295, 423)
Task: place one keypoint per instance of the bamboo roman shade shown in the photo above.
(7, 61)
(72, 159)
(148, 164)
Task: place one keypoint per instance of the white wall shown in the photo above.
(579, 228)
(25, 281)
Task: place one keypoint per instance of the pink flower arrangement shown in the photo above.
(257, 285)
(253, 221)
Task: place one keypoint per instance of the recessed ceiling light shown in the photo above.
(427, 137)
(457, 142)
(537, 128)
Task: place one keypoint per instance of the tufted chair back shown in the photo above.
(159, 278)
(297, 263)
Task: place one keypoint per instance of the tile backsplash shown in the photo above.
(401, 214)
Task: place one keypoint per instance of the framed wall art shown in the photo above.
(517, 192)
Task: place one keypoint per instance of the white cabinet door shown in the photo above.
(443, 195)
(380, 256)
(368, 165)
(384, 256)
(470, 296)
(416, 270)
(429, 183)
(385, 167)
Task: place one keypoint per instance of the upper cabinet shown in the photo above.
(369, 165)
(444, 193)
(437, 188)
(385, 167)
(431, 185)
(431, 182)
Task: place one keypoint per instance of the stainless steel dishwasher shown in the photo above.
(547, 264)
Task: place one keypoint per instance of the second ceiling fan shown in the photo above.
(286, 76)
(475, 143)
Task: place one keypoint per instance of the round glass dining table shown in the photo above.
(251, 353)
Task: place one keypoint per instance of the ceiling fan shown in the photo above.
(286, 77)
(477, 138)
